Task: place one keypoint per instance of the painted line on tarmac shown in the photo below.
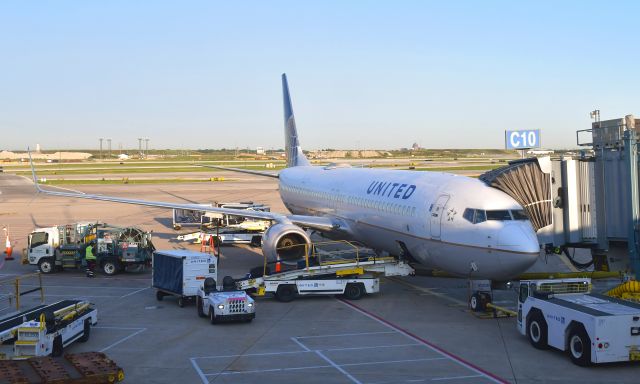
(227, 373)
(345, 334)
(295, 340)
(134, 292)
(486, 374)
(140, 330)
(198, 370)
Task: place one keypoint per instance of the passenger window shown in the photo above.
(502, 215)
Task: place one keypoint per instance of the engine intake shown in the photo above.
(285, 240)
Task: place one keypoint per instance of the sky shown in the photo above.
(362, 74)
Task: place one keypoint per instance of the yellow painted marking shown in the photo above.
(350, 271)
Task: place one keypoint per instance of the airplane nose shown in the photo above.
(519, 237)
(521, 244)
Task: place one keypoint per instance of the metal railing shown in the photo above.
(15, 284)
(328, 253)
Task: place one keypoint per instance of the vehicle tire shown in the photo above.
(475, 302)
(159, 295)
(579, 346)
(286, 293)
(199, 307)
(212, 316)
(58, 348)
(181, 300)
(87, 331)
(354, 291)
(110, 267)
(46, 265)
(537, 330)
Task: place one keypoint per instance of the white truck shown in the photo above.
(228, 304)
(566, 315)
(46, 329)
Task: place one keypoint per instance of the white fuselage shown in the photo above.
(389, 210)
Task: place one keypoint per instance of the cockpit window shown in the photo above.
(474, 216)
(500, 215)
(519, 214)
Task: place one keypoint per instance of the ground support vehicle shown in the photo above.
(228, 304)
(77, 368)
(566, 315)
(188, 218)
(64, 247)
(46, 329)
(321, 273)
(204, 220)
(227, 235)
(180, 273)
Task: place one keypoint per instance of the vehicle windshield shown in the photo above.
(38, 238)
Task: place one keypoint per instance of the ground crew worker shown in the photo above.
(90, 259)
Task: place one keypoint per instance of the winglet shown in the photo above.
(33, 172)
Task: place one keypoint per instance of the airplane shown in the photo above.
(444, 221)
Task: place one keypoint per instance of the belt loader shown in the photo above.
(46, 329)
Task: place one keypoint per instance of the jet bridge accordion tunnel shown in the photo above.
(591, 201)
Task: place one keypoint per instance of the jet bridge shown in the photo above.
(591, 201)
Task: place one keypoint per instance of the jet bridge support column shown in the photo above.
(631, 149)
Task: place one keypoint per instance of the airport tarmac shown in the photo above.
(416, 330)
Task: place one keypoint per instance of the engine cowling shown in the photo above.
(285, 240)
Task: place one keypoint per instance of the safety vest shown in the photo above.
(89, 255)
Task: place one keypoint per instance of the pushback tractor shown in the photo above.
(592, 328)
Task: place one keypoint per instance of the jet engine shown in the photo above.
(285, 240)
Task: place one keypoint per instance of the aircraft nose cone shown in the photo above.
(519, 237)
(521, 245)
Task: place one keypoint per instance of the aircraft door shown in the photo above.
(437, 211)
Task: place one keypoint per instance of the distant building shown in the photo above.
(38, 149)
(260, 151)
(123, 156)
(539, 152)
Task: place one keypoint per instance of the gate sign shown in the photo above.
(525, 139)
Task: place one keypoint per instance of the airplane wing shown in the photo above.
(241, 170)
(313, 222)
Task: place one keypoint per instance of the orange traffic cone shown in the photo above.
(8, 250)
(278, 265)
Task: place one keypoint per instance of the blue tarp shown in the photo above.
(167, 272)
